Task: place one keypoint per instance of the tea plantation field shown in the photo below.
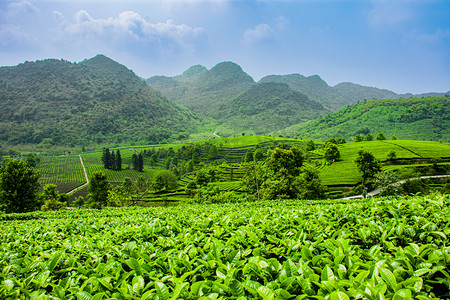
(383, 248)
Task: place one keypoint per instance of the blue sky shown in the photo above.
(399, 45)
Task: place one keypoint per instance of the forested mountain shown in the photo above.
(413, 118)
(266, 107)
(97, 100)
(205, 91)
(334, 97)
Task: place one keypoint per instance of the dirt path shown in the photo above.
(216, 135)
(377, 191)
(85, 176)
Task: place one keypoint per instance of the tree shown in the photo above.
(248, 156)
(259, 154)
(386, 182)
(165, 180)
(52, 199)
(140, 163)
(309, 183)
(358, 138)
(331, 152)
(369, 137)
(18, 187)
(112, 162)
(98, 189)
(106, 158)
(32, 160)
(283, 167)
(310, 146)
(118, 165)
(380, 136)
(134, 161)
(391, 155)
(367, 164)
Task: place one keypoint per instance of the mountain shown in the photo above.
(413, 118)
(95, 101)
(266, 107)
(204, 91)
(336, 97)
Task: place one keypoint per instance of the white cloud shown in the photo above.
(387, 13)
(128, 24)
(260, 33)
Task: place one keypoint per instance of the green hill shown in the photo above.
(95, 101)
(205, 91)
(266, 107)
(414, 118)
(335, 97)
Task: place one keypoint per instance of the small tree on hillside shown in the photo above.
(358, 138)
(367, 164)
(331, 152)
(19, 184)
(380, 136)
(118, 164)
(98, 189)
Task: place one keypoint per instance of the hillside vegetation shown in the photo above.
(267, 107)
(205, 91)
(55, 102)
(414, 118)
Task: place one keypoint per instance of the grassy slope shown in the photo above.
(344, 171)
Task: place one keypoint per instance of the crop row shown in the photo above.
(375, 249)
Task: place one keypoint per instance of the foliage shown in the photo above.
(391, 154)
(98, 189)
(19, 184)
(331, 152)
(52, 199)
(413, 119)
(56, 102)
(380, 136)
(309, 184)
(367, 164)
(386, 248)
(387, 183)
(165, 179)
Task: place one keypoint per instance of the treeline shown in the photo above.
(111, 160)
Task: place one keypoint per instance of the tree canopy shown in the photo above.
(18, 187)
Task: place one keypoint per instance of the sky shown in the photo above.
(400, 45)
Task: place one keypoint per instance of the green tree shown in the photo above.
(358, 138)
(32, 160)
(331, 152)
(52, 199)
(369, 137)
(98, 189)
(309, 184)
(310, 145)
(165, 180)
(259, 154)
(283, 167)
(386, 182)
(367, 164)
(140, 163)
(380, 136)
(106, 158)
(18, 187)
(248, 156)
(391, 154)
(118, 165)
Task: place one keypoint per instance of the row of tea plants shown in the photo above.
(384, 248)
